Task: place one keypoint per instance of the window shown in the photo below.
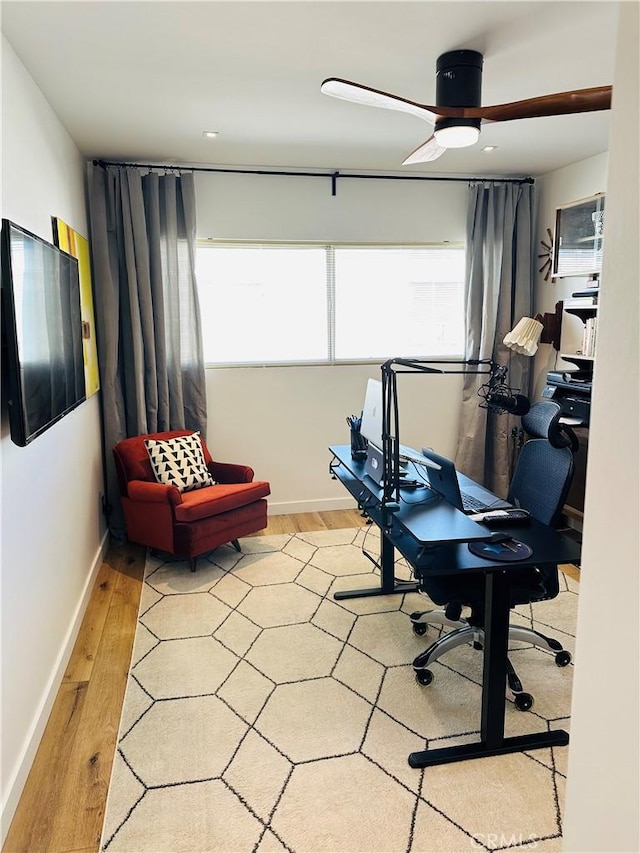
(281, 303)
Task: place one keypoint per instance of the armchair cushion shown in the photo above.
(179, 462)
(215, 500)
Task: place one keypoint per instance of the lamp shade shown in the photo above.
(525, 337)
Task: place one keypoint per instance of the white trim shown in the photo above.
(314, 244)
(323, 505)
(17, 781)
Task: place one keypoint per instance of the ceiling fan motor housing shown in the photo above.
(459, 84)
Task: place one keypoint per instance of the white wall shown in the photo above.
(280, 420)
(260, 207)
(52, 531)
(603, 791)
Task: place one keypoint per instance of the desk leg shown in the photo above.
(494, 677)
(494, 673)
(388, 584)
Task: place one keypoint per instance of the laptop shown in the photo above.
(371, 426)
(444, 480)
(374, 465)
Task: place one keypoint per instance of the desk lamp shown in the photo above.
(524, 337)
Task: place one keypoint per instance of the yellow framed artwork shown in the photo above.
(75, 244)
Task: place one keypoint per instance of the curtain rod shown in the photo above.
(304, 174)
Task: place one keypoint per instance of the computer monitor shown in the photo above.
(371, 426)
(371, 423)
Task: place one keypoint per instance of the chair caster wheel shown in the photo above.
(563, 658)
(524, 701)
(419, 628)
(424, 677)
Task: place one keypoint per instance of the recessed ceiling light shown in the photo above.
(210, 134)
(489, 147)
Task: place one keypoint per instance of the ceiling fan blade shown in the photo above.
(355, 92)
(429, 150)
(562, 103)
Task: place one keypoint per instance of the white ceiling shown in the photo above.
(140, 81)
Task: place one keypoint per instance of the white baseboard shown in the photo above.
(322, 505)
(18, 778)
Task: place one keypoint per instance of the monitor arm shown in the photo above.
(496, 376)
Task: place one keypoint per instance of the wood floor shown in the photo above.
(62, 807)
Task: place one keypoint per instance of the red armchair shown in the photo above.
(189, 523)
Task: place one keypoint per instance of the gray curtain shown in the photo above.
(143, 232)
(499, 291)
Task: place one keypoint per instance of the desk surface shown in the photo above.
(423, 513)
(433, 535)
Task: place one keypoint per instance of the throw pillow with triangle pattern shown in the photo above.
(179, 462)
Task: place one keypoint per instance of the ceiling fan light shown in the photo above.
(456, 136)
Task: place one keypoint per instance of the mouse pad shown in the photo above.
(508, 551)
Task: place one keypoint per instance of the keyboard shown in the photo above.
(408, 454)
(500, 517)
(471, 504)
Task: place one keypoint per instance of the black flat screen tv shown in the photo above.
(42, 333)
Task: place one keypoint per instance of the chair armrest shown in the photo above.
(158, 493)
(226, 472)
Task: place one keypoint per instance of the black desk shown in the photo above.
(421, 533)
(417, 528)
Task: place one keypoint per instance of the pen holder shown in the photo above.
(358, 444)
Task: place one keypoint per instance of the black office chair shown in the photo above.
(540, 484)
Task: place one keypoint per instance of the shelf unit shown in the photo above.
(577, 253)
(584, 306)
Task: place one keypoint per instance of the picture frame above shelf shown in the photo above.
(579, 238)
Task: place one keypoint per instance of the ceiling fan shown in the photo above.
(457, 114)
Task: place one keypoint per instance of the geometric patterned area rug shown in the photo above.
(262, 715)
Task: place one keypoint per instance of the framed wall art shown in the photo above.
(75, 244)
(579, 237)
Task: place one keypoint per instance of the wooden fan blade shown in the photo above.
(429, 150)
(358, 94)
(562, 103)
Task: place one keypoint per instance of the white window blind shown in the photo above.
(284, 303)
(402, 301)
